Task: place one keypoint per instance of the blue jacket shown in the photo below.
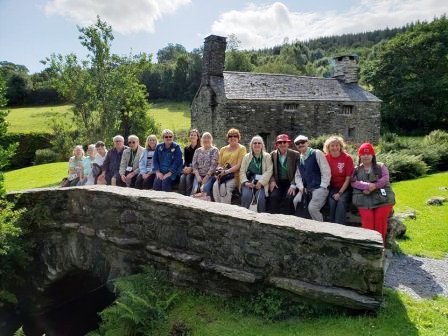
(143, 163)
(168, 159)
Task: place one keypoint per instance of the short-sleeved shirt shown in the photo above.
(341, 167)
(232, 157)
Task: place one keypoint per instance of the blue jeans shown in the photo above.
(246, 198)
(207, 186)
(166, 184)
(338, 209)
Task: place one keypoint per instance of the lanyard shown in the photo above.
(132, 157)
(257, 163)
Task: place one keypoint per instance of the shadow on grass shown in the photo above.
(394, 316)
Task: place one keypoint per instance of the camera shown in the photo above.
(220, 170)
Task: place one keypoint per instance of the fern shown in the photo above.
(143, 302)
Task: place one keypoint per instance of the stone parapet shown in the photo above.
(220, 248)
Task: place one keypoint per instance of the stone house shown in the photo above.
(270, 104)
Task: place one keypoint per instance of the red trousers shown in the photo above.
(376, 219)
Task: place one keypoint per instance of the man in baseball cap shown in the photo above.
(314, 172)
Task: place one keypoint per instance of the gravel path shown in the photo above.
(419, 277)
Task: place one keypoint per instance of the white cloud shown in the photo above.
(268, 25)
(126, 17)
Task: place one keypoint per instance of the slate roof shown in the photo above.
(258, 86)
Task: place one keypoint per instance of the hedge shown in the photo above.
(28, 144)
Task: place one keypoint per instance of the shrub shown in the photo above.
(28, 143)
(391, 142)
(436, 137)
(403, 166)
(142, 303)
(318, 143)
(435, 156)
(45, 155)
(274, 304)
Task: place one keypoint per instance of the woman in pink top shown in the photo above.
(341, 165)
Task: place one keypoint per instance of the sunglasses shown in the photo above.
(168, 136)
(300, 142)
(232, 136)
(281, 142)
(256, 143)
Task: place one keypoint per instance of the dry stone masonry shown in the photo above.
(112, 231)
(270, 104)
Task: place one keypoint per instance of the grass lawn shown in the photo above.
(172, 115)
(428, 234)
(35, 119)
(36, 176)
(401, 315)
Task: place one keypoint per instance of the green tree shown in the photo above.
(410, 74)
(105, 89)
(12, 256)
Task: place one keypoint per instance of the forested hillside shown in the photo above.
(397, 54)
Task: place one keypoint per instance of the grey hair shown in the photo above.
(133, 137)
(207, 134)
(167, 131)
(257, 137)
(118, 137)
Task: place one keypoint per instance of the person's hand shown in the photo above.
(291, 191)
(129, 177)
(159, 175)
(249, 185)
(123, 178)
(272, 186)
(366, 192)
(187, 170)
(372, 187)
(258, 186)
(336, 196)
(200, 180)
(167, 175)
(101, 179)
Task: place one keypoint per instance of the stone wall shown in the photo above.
(269, 118)
(111, 231)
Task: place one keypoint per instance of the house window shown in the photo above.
(351, 132)
(346, 110)
(291, 107)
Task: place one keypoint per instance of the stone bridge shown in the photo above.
(111, 231)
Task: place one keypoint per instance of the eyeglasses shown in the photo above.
(131, 142)
(301, 142)
(168, 136)
(256, 143)
(281, 142)
(233, 136)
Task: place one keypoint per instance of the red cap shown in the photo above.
(366, 148)
(283, 137)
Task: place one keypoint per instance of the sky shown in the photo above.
(31, 30)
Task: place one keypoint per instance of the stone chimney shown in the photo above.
(346, 69)
(214, 57)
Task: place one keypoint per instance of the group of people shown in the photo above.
(290, 181)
